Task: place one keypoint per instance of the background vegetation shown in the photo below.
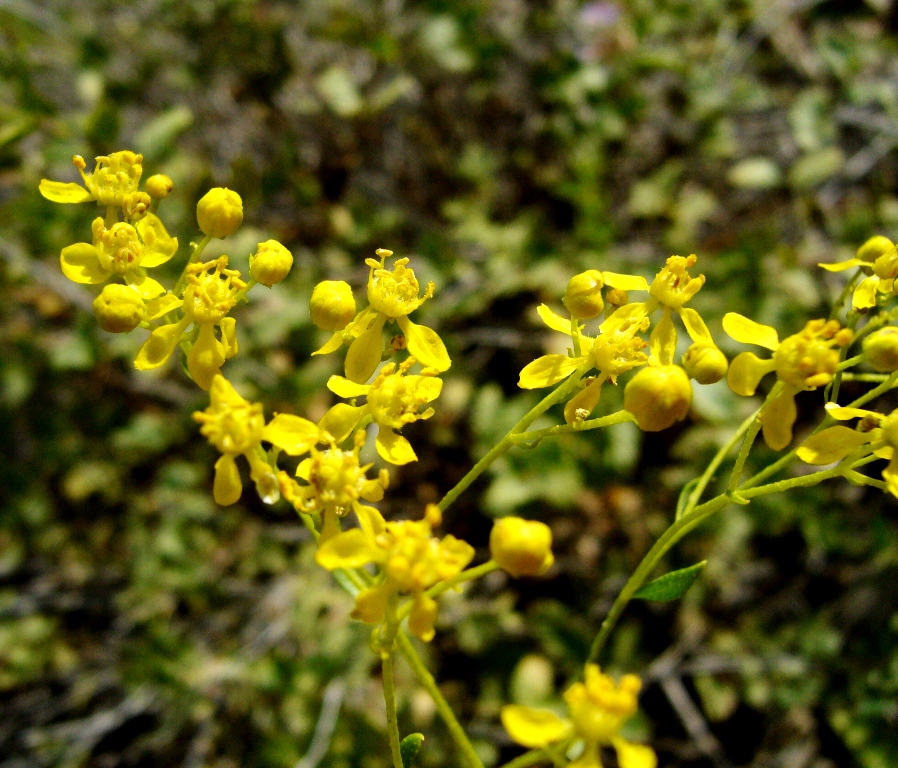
(504, 145)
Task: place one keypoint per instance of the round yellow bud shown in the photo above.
(332, 305)
(874, 248)
(119, 309)
(616, 297)
(658, 396)
(219, 212)
(521, 547)
(159, 186)
(881, 350)
(705, 363)
(583, 296)
(271, 263)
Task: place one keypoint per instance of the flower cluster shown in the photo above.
(131, 239)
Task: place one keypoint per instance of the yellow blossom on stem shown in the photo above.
(804, 361)
(212, 291)
(411, 560)
(236, 427)
(115, 176)
(597, 710)
(334, 481)
(123, 249)
(878, 257)
(876, 430)
(615, 350)
(393, 400)
(521, 547)
(392, 296)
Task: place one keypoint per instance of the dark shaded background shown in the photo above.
(504, 145)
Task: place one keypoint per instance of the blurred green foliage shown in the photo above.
(504, 145)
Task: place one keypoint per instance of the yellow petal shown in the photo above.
(292, 434)
(663, 341)
(206, 357)
(304, 469)
(625, 282)
(843, 265)
(162, 305)
(533, 727)
(371, 604)
(345, 388)
(349, 549)
(394, 448)
(428, 387)
(145, 286)
(423, 617)
(227, 486)
(332, 345)
(832, 444)
(746, 372)
(370, 520)
(425, 345)
(695, 326)
(586, 399)
(340, 420)
(365, 352)
(777, 418)
(631, 755)
(64, 192)
(81, 264)
(886, 452)
(228, 326)
(840, 413)
(864, 295)
(159, 247)
(552, 319)
(158, 348)
(548, 370)
(749, 332)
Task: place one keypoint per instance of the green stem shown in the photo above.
(699, 489)
(388, 647)
(444, 586)
(848, 363)
(575, 336)
(430, 685)
(618, 417)
(568, 386)
(831, 393)
(867, 377)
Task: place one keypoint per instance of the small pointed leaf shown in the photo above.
(408, 748)
(671, 586)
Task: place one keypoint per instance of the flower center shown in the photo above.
(673, 286)
(394, 293)
(337, 479)
(212, 290)
(231, 427)
(807, 359)
(114, 177)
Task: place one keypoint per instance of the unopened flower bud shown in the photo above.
(874, 248)
(159, 186)
(616, 297)
(705, 363)
(881, 350)
(521, 547)
(583, 296)
(658, 396)
(119, 309)
(271, 263)
(332, 306)
(219, 212)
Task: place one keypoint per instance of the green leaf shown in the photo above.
(408, 748)
(671, 586)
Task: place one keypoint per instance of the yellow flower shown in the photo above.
(879, 257)
(803, 361)
(114, 177)
(393, 400)
(335, 480)
(236, 427)
(271, 263)
(672, 288)
(212, 290)
(410, 558)
(392, 295)
(597, 709)
(614, 351)
(119, 308)
(332, 305)
(878, 430)
(124, 250)
(658, 396)
(521, 547)
(219, 212)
